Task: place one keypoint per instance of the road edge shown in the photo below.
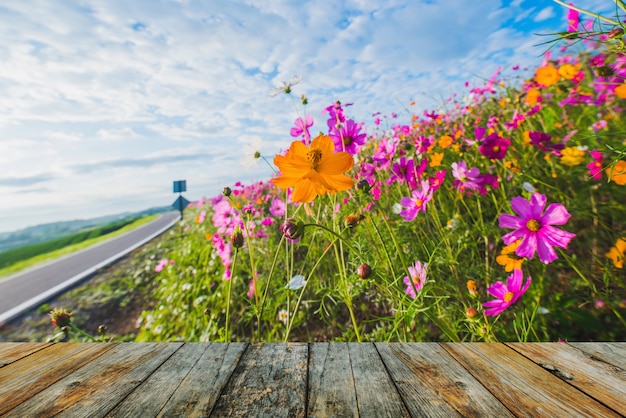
(61, 287)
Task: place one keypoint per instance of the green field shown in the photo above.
(17, 259)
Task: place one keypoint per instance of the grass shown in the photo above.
(54, 253)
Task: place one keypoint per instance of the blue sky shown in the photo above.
(104, 103)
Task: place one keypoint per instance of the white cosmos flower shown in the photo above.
(285, 86)
(296, 282)
(251, 152)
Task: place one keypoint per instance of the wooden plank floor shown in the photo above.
(316, 380)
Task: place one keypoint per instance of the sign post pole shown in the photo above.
(180, 203)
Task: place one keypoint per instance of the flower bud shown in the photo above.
(227, 191)
(616, 33)
(364, 271)
(353, 220)
(472, 288)
(363, 186)
(605, 71)
(304, 100)
(291, 228)
(102, 329)
(471, 313)
(60, 317)
(237, 237)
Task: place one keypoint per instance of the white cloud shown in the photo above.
(111, 96)
(544, 14)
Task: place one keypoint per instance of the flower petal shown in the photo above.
(537, 203)
(335, 163)
(507, 220)
(528, 245)
(521, 206)
(556, 214)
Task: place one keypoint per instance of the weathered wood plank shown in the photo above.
(270, 380)
(432, 383)
(200, 389)
(331, 384)
(376, 394)
(23, 379)
(522, 386)
(147, 399)
(612, 353)
(602, 381)
(10, 352)
(96, 388)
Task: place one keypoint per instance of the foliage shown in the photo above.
(75, 241)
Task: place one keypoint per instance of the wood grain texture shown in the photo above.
(316, 379)
(331, 384)
(376, 393)
(147, 399)
(200, 389)
(431, 383)
(270, 380)
(10, 352)
(611, 353)
(525, 388)
(96, 388)
(22, 380)
(602, 381)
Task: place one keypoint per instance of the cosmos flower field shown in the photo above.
(500, 216)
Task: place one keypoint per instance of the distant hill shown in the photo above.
(46, 232)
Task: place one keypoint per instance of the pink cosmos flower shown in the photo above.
(417, 202)
(573, 20)
(301, 128)
(161, 265)
(535, 228)
(417, 279)
(402, 171)
(465, 178)
(506, 294)
(595, 167)
(277, 207)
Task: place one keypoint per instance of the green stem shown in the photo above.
(230, 291)
(587, 12)
(83, 333)
(306, 283)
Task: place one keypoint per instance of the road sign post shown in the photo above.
(180, 203)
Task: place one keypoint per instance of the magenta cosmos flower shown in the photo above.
(506, 294)
(417, 278)
(494, 146)
(417, 202)
(535, 228)
(348, 137)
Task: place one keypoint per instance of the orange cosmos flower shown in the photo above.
(445, 141)
(617, 173)
(547, 76)
(532, 96)
(616, 254)
(435, 159)
(314, 170)
(620, 91)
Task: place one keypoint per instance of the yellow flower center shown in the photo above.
(419, 203)
(347, 140)
(533, 225)
(508, 296)
(314, 157)
(496, 148)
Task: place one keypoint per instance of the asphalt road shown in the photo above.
(33, 287)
